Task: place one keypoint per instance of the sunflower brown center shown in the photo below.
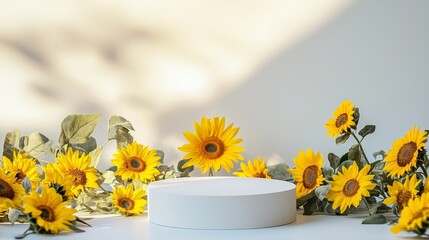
(259, 175)
(406, 153)
(20, 176)
(341, 120)
(126, 203)
(403, 198)
(47, 213)
(212, 148)
(79, 177)
(310, 176)
(136, 164)
(351, 188)
(6, 190)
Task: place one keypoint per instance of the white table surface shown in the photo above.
(138, 227)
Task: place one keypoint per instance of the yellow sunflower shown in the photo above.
(128, 200)
(10, 191)
(402, 193)
(136, 161)
(308, 172)
(212, 146)
(49, 210)
(403, 155)
(5, 204)
(78, 167)
(22, 166)
(54, 179)
(342, 121)
(350, 186)
(257, 169)
(414, 215)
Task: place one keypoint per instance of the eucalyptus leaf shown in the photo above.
(280, 172)
(356, 117)
(342, 139)
(13, 215)
(322, 191)
(301, 201)
(36, 144)
(115, 122)
(368, 129)
(375, 219)
(327, 172)
(310, 206)
(85, 147)
(11, 143)
(95, 156)
(334, 160)
(26, 183)
(160, 154)
(354, 153)
(379, 153)
(180, 166)
(78, 128)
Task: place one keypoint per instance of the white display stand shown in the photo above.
(221, 203)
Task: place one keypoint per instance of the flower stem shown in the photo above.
(425, 172)
(210, 172)
(361, 148)
(367, 205)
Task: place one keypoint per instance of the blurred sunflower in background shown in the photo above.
(255, 169)
(212, 146)
(342, 120)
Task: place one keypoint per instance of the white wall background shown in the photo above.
(277, 69)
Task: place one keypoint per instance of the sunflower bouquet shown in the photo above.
(48, 194)
(393, 187)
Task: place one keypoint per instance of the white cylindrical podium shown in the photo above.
(221, 203)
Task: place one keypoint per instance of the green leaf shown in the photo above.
(35, 145)
(280, 172)
(356, 117)
(180, 166)
(374, 207)
(368, 129)
(354, 153)
(160, 154)
(78, 128)
(379, 153)
(327, 172)
(13, 215)
(322, 191)
(75, 229)
(345, 164)
(342, 139)
(95, 156)
(11, 143)
(26, 183)
(377, 166)
(119, 129)
(375, 219)
(334, 160)
(310, 206)
(304, 199)
(116, 122)
(85, 147)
